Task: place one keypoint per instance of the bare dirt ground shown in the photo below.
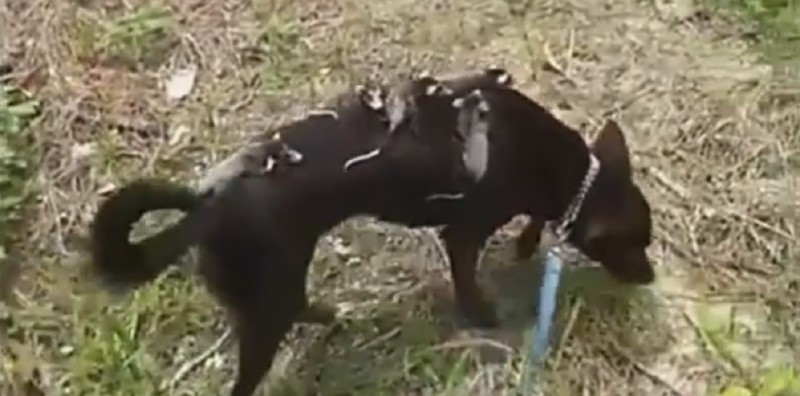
(714, 132)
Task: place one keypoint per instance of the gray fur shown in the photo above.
(473, 125)
(221, 174)
(256, 158)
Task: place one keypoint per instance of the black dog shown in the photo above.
(536, 165)
(257, 235)
(540, 167)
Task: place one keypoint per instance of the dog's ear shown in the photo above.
(500, 75)
(611, 149)
(433, 87)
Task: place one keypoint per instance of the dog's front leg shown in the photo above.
(528, 240)
(463, 242)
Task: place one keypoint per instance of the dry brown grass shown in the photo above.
(715, 135)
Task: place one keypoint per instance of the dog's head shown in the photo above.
(614, 227)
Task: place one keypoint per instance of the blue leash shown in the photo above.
(547, 305)
(551, 276)
(540, 332)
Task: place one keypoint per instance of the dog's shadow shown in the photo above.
(415, 341)
(593, 309)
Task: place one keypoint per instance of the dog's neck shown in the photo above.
(569, 162)
(554, 152)
(563, 225)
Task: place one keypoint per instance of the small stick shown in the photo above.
(551, 62)
(380, 339)
(473, 342)
(673, 186)
(570, 50)
(187, 367)
(761, 224)
(441, 250)
(644, 370)
(573, 317)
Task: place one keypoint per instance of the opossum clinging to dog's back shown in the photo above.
(473, 128)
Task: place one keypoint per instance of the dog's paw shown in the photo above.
(318, 313)
(481, 315)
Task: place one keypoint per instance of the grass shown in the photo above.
(16, 112)
(140, 37)
(714, 135)
(778, 24)
(778, 27)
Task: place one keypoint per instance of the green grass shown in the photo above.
(140, 37)
(283, 53)
(113, 352)
(777, 23)
(17, 110)
(753, 369)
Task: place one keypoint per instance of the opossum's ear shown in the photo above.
(434, 87)
(501, 76)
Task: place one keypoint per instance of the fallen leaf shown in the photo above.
(81, 151)
(181, 83)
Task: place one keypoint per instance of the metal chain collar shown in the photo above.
(564, 227)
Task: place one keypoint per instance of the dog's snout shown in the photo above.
(631, 266)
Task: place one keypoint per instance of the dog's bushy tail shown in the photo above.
(122, 265)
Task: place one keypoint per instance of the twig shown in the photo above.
(760, 224)
(671, 185)
(573, 317)
(654, 377)
(677, 248)
(187, 367)
(570, 50)
(437, 242)
(551, 63)
(644, 370)
(708, 343)
(473, 342)
(377, 340)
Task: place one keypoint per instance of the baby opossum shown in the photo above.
(473, 127)
(256, 158)
(264, 157)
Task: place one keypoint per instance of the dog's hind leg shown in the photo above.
(276, 301)
(259, 338)
(263, 325)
